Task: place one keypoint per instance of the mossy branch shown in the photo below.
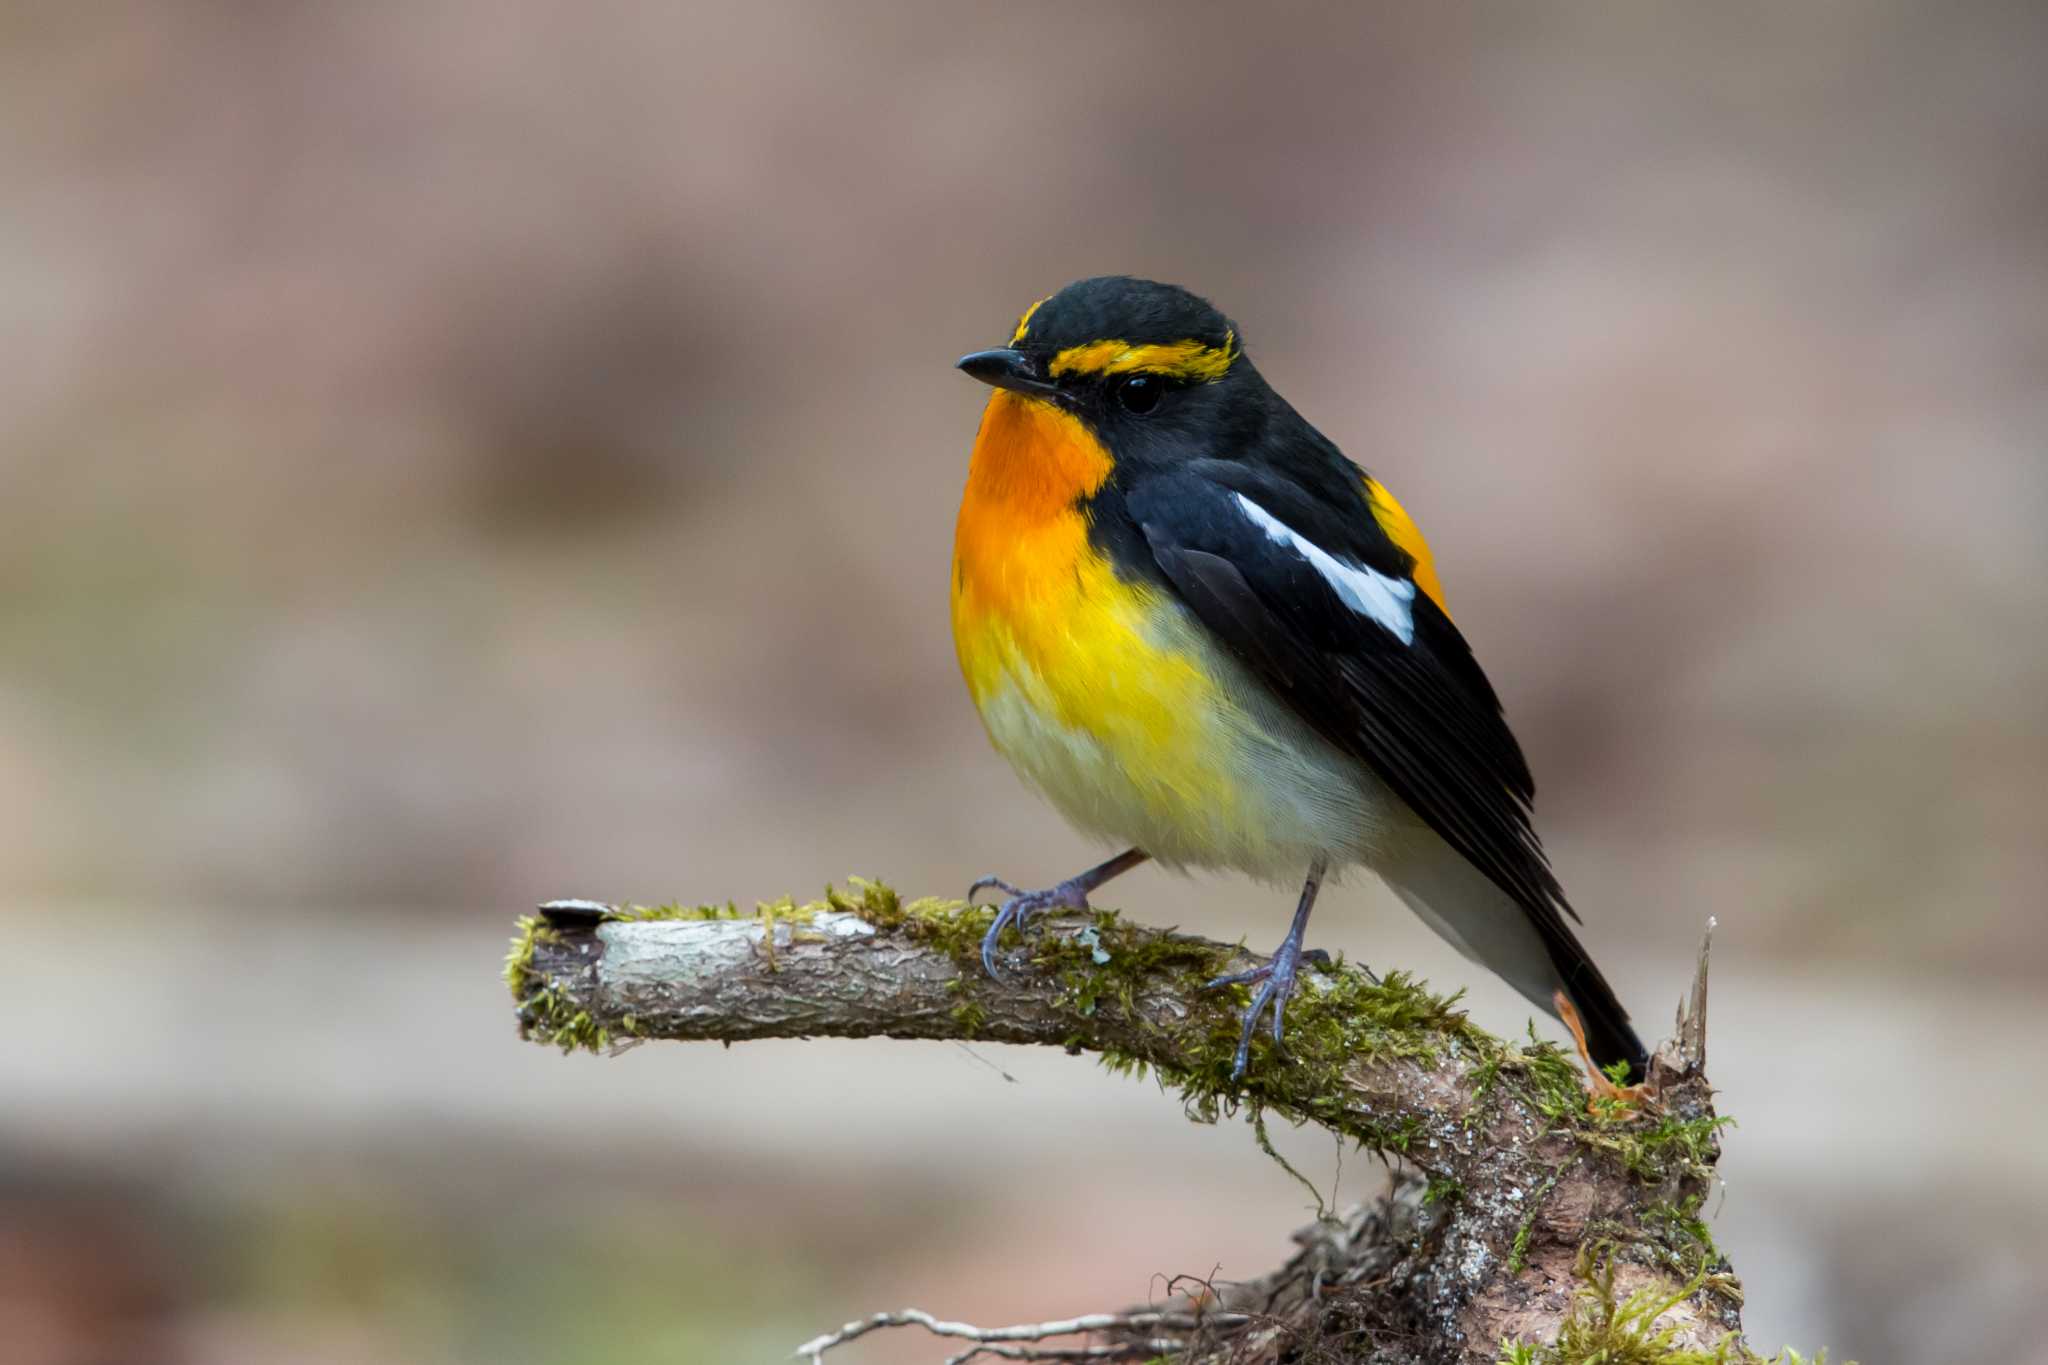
(1520, 1188)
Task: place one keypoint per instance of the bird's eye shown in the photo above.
(1140, 393)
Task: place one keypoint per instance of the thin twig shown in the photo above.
(1129, 1350)
(1030, 1331)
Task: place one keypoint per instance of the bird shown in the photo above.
(1204, 634)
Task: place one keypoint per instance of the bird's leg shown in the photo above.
(1607, 1097)
(1071, 894)
(1276, 978)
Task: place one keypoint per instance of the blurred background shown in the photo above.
(453, 456)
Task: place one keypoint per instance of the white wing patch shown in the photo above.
(1389, 602)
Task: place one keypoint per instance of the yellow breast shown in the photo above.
(1066, 662)
(1103, 694)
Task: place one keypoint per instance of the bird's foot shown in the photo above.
(1276, 981)
(1609, 1099)
(1022, 905)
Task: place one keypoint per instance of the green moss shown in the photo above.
(1601, 1329)
(1555, 1085)
(1538, 1076)
(545, 1015)
(528, 931)
(1671, 1234)
(1265, 1142)
(1678, 1224)
(636, 913)
(1659, 1150)
(970, 1016)
(1483, 1077)
(1339, 1019)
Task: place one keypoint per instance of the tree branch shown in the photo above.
(1521, 1216)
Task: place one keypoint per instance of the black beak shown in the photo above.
(1007, 369)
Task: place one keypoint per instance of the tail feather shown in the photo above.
(1536, 954)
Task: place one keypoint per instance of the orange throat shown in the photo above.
(1031, 460)
(1019, 520)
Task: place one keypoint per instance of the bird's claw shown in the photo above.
(1317, 956)
(1276, 981)
(1019, 909)
(982, 884)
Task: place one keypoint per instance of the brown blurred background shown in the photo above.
(456, 455)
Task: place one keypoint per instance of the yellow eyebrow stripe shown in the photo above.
(1190, 360)
(1024, 323)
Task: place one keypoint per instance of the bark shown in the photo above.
(1515, 1215)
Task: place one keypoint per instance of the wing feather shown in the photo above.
(1418, 711)
(1420, 714)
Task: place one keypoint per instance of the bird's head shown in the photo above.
(1151, 369)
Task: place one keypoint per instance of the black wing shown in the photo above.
(1418, 711)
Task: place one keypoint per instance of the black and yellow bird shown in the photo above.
(1201, 631)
